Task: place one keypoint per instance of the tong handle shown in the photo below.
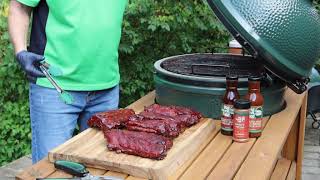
(49, 77)
(73, 168)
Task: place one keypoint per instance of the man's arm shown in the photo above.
(18, 20)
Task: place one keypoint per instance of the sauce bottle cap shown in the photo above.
(234, 44)
(242, 104)
(254, 78)
(232, 77)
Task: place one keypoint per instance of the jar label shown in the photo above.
(241, 125)
(226, 117)
(255, 119)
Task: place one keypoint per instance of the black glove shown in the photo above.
(30, 63)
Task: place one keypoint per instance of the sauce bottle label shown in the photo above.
(226, 117)
(255, 118)
(241, 125)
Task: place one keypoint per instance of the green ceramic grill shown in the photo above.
(283, 34)
(198, 81)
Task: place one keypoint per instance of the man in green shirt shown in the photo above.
(79, 39)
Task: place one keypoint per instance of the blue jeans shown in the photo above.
(53, 121)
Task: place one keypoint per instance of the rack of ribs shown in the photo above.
(161, 125)
(148, 134)
(111, 119)
(143, 144)
(186, 115)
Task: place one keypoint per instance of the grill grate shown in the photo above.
(217, 65)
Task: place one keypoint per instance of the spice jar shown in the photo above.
(241, 120)
(230, 96)
(256, 111)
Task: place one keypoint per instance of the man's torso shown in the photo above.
(79, 37)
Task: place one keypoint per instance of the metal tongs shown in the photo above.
(64, 95)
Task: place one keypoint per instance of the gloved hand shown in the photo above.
(30, 64)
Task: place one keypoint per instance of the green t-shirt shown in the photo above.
(81, 39)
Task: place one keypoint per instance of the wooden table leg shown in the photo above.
(290, 148)
(302, 127)
(293, 148)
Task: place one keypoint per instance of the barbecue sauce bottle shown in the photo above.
(235, 47)
(256, 110)
(230, 96)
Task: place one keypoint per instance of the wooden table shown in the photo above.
(277, 154)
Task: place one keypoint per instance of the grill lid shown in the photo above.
(284, 34)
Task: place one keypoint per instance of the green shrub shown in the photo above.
(14, 117)
(156, 29)
(152, 30)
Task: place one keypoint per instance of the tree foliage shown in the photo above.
(157, 29)
(14, 119)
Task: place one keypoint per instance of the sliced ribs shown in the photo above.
(111, 119)
(147, 134)
(147, 145)
(186, 115)
(158, 125)
(168, 121)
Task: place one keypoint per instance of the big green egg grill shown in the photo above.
(282, 38)
(198, 81)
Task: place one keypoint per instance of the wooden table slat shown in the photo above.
(209, 157)
(116, 174)
(263, 156)
(292, 172)
(96, 172)
(281, 170)
(233, 158)
(59, 174)
(185, 166)
(40, 170)
(135, 178)
(231, 161)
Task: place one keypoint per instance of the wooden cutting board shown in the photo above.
(90, 149)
